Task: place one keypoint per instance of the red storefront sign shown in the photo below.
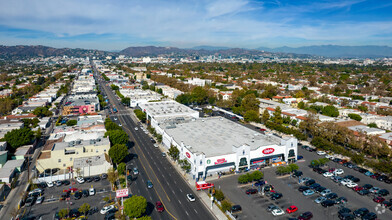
(220, 161)
(258, 161)
(268, 151)
(188, 155)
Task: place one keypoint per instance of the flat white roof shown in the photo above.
(216, 136)
(166, 109)
(364, 128)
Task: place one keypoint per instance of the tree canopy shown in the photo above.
(117, 137)
(42, 112)
(135, 206)
(19, 137)
(118, 152)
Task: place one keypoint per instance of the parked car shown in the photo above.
(341, 200)
(320, 199)
(91, 191)
(367, 186)
(314, 185)
(346, 216)
(106, 209)
(50, 184)
(344, 210)
(78, 195)
(236, 208)
(357, 188)
(327, 174)
(328, 203)
(97, 178)
(292, 209)
(251, 191)
(135, 171)
(80, 180)
(378, 199)
(338, 171)
(30, 201)
(325, 192)
(104, 176)
(363, 192)
(149, 184)
(305, 216)
(321, 153)
(277, 212)
(320, 189)
(369, 216)
(303, 188)
(308, 192)
(260, 183)
(332, 196)
(310, 182)
(361, 212)
(383, 192)
(276, 196)
(40, 199)
(374, 190)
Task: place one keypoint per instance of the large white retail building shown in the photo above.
(217, 144)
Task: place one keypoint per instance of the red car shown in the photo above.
(331, 170)
(357, 188)
(251, 191)
(379, 199)
(262, 129)
(159, 206)
(71, 190)
(292, 209)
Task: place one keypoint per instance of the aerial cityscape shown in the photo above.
(177, 110)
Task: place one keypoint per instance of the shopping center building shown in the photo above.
(216, 144)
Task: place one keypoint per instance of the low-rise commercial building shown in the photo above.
(217, 144)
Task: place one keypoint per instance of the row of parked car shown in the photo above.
(378, 176)
(328, 198)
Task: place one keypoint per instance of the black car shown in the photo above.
(66, 182)
(367, 186)
(344, 210)
(320, 189)
(328, 203)
(305, 216)
(387, 203)
(388, 181)
(89, 179)
(303, 188)
(85, 193)
(153, 141)
(276, 196)
(110, 216)
(236, 208)
(297, 173)
(382, 178)
(361, 212)
(341, 200)
(383, 192)
(74, 213)
(97, 178)
(355, 179)
(346, 216)
(310, 182)
(314, 185)
(331, 196)
(363, 192)
(78, 195)
(93, 210)
(369, 216)
(104, 176)
(361, 170)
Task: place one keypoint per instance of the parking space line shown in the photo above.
(195, 211)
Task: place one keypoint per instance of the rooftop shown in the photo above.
(80, 143)
(167, 108)
(213, 136)
(92, 161)
(366, 129)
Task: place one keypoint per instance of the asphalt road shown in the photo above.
(169, 187)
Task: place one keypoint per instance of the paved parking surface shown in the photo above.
(52, 204)
(254, 206)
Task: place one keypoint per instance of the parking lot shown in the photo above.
(52, 204)
(255, 206)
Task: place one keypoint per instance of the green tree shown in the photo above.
(301, 105)
(126, 100)
(146, 217)
(121, 168)
(140, 115)
(226, 205)
(174, 153)
(252, 115)
(118, 152)
(63, 213)
(323, 161)
(219, 195)
(330, 110)
(84, 208)
(42, 112)
(112, 176)
(135, 206)
(265, 117)
(250, 102)
(114, 87)
(355, 116)
(257, 175)
(19, 137)
(117, 137)
(293, 167)
(278, 116)
(373, 125)
(314, 163)
(185, 165)
(71, 122)
(199, 95)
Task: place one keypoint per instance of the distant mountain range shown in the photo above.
(336, 51)
(22, 51)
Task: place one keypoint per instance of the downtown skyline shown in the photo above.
(116, 25)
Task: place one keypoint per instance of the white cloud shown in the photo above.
(220, 22)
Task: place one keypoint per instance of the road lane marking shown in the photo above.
(195, 211)
(181, 190)
(179, 202)
(186, 213)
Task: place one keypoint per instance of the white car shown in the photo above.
(338, 171)
(115, 119)
(344, 182)
(135, 171)
(120, 125)
(156, 145)
(190, 197)
(80, 180)
(321, 152)
(50, 184)
(329, 156)
(327, 174)
(277, 212)
(351, 185)
(106, 209)
(91, 191)
(136, 128)
(40, 200)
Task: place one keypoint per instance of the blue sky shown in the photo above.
(117, 24)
